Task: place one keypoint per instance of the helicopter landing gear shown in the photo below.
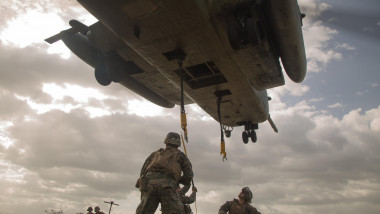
(249, 132)
(245, 137)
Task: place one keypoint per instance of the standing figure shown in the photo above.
(241, 205)
(98, 211)
(160, 176)
(89, 210)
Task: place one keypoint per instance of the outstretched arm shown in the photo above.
(186, 169)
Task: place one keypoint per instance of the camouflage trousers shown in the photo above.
(160, 189)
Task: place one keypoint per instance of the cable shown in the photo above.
(192, 180)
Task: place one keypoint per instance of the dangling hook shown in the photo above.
(228, 130)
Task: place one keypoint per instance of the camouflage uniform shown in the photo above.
(186, 200)
(89, 209)
(234, 207)
(161, 187)
(98, 211)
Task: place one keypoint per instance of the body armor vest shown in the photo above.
(166, 161)
(237, 208)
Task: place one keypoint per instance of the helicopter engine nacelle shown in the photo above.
(81, 46)
(108, 66)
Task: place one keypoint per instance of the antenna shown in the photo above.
(111, 203)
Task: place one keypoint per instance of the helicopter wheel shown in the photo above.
(253, 136)
(245, 137)
(233, 36)
(102, 76)
(252, 31)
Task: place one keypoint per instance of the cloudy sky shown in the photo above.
(68, 143)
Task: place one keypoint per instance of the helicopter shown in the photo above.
(221, 55)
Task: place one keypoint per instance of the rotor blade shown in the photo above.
(53, 39)
(58, 36)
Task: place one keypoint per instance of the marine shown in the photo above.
(89, 210)
(98, 211)
(241, 205)
(160, 176)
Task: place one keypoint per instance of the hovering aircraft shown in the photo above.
(221, 55)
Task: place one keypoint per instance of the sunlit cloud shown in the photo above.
(78, 93)
(290, 88)
(315, 100)
(200, 112)
(42, 108)
(313, 9)
(345, 46)
(34, 26)
(4, 139)
(30, 28)
(374, 84)
(59, 48)
(318, 50)
(143, 108)
(336, 105)
(97, 112)
(11, 173)
(211, 196)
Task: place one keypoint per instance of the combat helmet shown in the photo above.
(248, 194)
(173, 139)
(89, 209)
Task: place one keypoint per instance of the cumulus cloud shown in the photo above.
(345, 46)
(70, 159)
(316, 160)
(313, 100)
(360, 93)
(317, 37)
(336, 105)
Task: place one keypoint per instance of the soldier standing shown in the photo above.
(160, 176)
(241, 205)
(97, 210)
(89, 210)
